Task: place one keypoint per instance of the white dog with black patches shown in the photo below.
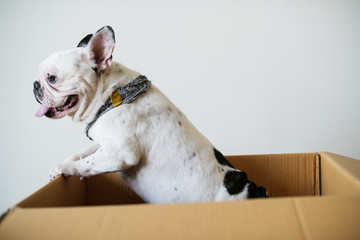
(138, 131)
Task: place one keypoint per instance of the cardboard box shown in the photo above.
(312, 196)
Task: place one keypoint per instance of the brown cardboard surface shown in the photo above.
(106, 189)
(59, 192)
(332, 217)
(102, 189)
(340, 175)
(282, 174)
(329, 217)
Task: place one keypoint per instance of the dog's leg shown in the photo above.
(107, 158)
(82, 153)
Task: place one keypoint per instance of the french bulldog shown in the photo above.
(137, 131)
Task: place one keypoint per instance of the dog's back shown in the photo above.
(178, 164)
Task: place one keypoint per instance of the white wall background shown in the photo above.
(254, 76)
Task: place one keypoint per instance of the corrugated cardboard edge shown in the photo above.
(5, 214)
(317, 174)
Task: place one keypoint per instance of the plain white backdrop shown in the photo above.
(253, 76)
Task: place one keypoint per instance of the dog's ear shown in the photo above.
(99, 48)
(84, 42)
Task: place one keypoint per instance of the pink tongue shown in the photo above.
(42, 111)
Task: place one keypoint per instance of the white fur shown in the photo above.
(150, 142)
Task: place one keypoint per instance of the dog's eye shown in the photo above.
(51, 78)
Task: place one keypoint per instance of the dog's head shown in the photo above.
(68, 79)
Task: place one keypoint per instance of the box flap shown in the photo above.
(103, 189)
(59, 192)
(339, 174)
(331, 217)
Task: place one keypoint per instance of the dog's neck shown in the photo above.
(122, 95)
(106, 82)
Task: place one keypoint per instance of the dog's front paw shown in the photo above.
(65, 169)
(54, 173)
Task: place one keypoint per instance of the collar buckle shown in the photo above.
(116, 98)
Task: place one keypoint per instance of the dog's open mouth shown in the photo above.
(50, 112)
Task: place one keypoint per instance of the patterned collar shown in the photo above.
(123, 95)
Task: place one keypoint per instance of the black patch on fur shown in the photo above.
(261, 192)
(221, 159)
(252, 190)
(84, 42)
(235, 182)
(255, 191)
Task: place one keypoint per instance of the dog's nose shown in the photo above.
(36, 85)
